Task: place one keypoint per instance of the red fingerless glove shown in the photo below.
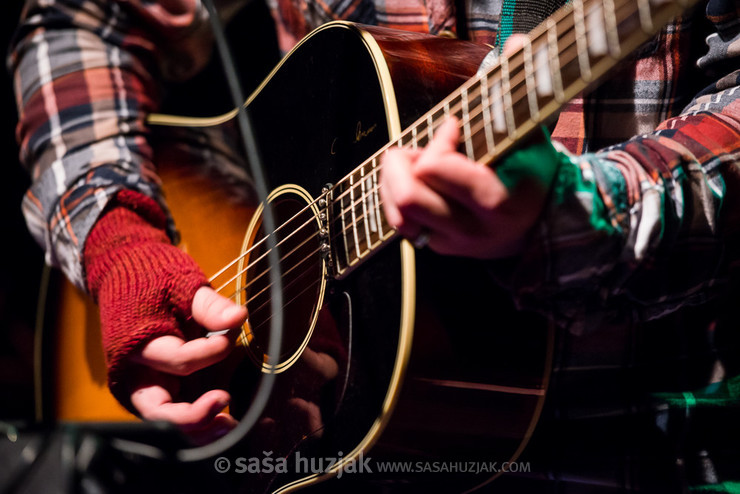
(142, 283)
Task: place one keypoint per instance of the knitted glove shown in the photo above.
(143, 284)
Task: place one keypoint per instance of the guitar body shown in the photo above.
(410, 355)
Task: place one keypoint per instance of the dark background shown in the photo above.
(22, 259)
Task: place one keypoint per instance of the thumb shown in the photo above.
(216, 312)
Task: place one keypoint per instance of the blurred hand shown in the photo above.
(460, 206)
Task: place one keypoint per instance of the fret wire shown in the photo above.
(486, 112)
(509, 114)
(354, 216)
(402, 139)
(430, 127)
(355, 202)
(534, 110)
(478, 137)
(497, 107)
(596, 35)
(376, 166)
(550, 33)
(385, 237)
(344, 226)
(438, 120)
(581, 41)
(430, 119)
(485, 98)
(363, 215)
(508, 105)
(414, 143)
(341, 270)
(552, 45)
(369, 226)
(376, 186)
(610, 18)
(646, 18)
(466, 126)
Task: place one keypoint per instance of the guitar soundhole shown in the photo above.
(302, 279)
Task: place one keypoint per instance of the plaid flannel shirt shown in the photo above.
(644, 219)
(82, 142)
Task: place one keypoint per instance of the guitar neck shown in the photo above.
(569, 52)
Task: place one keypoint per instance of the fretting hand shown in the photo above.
(461, 206)
(437, 196)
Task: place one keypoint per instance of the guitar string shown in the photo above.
(254, 279)
(373, 189)
(264, 304)
(264, 254)
(255, 245)
(518, 83)
(365, 245)
(517, 72)
(259, 242)
(420, 137)
(477, 111)
(518, 78)
(262, 322)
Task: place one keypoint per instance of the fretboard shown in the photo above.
(566, 54)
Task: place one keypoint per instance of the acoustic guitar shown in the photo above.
(386, 350)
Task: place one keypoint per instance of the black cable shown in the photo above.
(267, 381)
